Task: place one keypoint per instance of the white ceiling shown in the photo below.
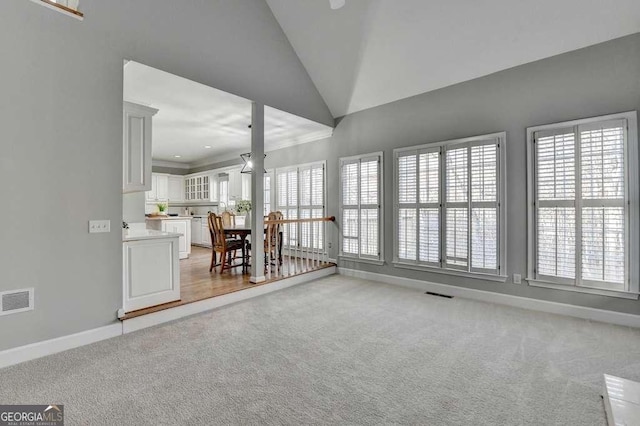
(371, 52)
(193, 116)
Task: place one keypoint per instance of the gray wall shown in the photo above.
(61, 121)
(170, 170)
(598, 80)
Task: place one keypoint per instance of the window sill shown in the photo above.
(465, 274)
(359, 260)
(60, 8)
(587, 290)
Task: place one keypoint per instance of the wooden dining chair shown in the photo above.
(271, 239)
(223, 245)
(228, 219)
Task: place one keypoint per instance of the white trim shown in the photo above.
(59, 344)
(594, 314)
(589, 290)
(172, 314)
(458, 273)
(256, 280)
(58, 9)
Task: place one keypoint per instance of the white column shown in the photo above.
(257, 193)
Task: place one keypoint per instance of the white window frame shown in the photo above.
(379, 259)
(441, 267)
(276, 190)
(632, 188)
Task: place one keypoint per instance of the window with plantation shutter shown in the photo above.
(449, 215)
(300, 195)
(360, 205)
(583, 218)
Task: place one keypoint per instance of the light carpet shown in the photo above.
(340, 351)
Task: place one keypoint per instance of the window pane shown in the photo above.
(317, 186)
(369, 182)
(292, 188)
(429, 165)
(350, 231)
(429, 235)
(603, 243)
(305, 187)
(457, 175)
(484, 238)
(457, 229)
(407, 179)
(557, 242)
(369, 232)
(602, 152)
(556, 167)
(484, 173)
(282, 189)
(407, 234)
(350, 184)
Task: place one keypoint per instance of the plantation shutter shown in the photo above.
(350, 194)
(580, 206)
(603, 223)
(407, 203)
(361, 221)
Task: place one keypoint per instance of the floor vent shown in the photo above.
(12, 302)
(439, 295)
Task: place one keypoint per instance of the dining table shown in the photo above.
(242, 232)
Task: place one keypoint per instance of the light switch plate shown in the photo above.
(517, 279)
(99, 226)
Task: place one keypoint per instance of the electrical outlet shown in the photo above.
(517, 279)
(329, 245)
(99, 226)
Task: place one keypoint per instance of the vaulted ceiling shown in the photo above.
(371, 52)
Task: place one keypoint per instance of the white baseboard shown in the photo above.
(60, 344)
(49, 347)
(160, 317)
(593, 314)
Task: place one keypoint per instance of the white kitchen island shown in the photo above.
(151, 274)
(177, 225)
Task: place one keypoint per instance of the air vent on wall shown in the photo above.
(14, 301)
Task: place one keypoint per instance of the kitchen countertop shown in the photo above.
(168, 217)
(146, 234)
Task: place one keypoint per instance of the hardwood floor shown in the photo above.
(196, 283)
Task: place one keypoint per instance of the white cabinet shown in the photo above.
(196, 188)
(235, 184)
(151, 273)
(196, 231)
(159, 188)
(182, 227)
(176, 189)
(176, 226)
(137, 142)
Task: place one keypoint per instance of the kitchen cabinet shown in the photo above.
(137, 141)
(159, 188)
(151, 269)
(175, 225)
(196, 188)
(175, 189)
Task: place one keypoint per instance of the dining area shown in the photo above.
(230, 243)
